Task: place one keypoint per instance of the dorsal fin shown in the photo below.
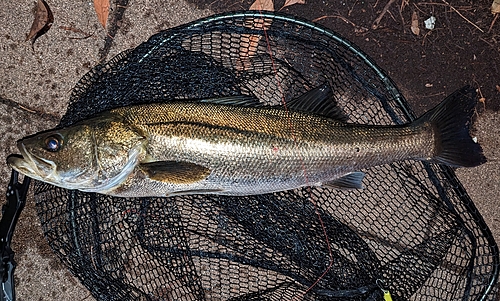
(237, 100)
(319, 101)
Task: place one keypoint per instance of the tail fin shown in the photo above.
(451, 120)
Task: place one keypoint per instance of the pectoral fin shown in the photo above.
(175, 172)
(349, 181)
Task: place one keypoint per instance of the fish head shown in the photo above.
(62, 157)
(92, 156)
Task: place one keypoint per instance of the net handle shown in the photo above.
(11, 210)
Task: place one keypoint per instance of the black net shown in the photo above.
(412, 230)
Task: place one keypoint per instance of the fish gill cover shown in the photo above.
(412, 231)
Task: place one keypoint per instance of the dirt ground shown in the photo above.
(463, 48)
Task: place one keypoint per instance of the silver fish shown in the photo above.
(237, 146)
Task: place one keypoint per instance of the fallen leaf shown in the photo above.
(102, 11)
(42, 23)
(495, 7)
(249, 43)
(414, 24)
(262, 5)
(292, 2)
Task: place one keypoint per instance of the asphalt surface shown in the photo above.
(34, 91)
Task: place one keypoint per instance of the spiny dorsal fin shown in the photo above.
(319, 101)
(175, 172)
(237, 100)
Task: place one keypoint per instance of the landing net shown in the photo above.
(412, 231)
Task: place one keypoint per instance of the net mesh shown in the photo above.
(412, 230)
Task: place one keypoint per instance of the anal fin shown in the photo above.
(175, 172)
(349, 181)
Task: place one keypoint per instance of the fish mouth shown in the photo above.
(31, 165)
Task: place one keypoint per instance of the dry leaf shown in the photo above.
(292, 2)
(262, 5)
(249, 43)
(102, 10)
(495, 7)
(42, 23)
(414, 24)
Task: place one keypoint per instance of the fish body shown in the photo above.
(234, 146)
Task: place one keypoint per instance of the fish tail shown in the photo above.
(450, 121)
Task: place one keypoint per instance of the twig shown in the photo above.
(493, 46)
(26, 109)
(352, 8)
(482, 99)
(430, 3)
(434, 94)
(358, 28)
(379, 18)
(16, 105)
(76, 30)
(455, 10)
(493, 22)
(404, 4)
(424, 38)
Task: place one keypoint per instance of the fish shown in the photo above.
(236, 145)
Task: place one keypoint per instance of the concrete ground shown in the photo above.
(39, 81)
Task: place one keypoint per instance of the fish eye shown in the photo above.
(53, 143)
